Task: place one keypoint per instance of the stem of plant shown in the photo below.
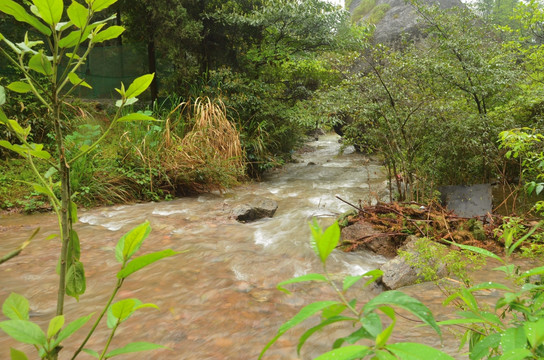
(110, 300)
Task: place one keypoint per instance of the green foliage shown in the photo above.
(363, 9)
(377, 13)
(366, 320)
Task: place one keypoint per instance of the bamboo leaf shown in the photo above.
(476, 250)
(24, 331)
(143, 261)
(135, 347)
(16, 307)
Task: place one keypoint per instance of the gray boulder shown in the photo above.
(255, 210)
(398, 273)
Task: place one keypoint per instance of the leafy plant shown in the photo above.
(366, 318)
(61, 49)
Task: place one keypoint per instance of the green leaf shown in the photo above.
(73, 212)
(76, 80)
(476, 250)
(533, 272)
(75, 280)
(397, 298)
(74, 38)
(135, 347)
(16, 307)
(92, 353)
(17, 355)
(131, 242)
(112, 32)
(2, 96)
(55, 325)
(99, 5)
(122, 309)
(517, 354)
(24, 331)
(482, 347)
(534, 331)
(70, 329)
(489, 285)
(302, 315)
(303, 278)
(78, 14)
(75, 246)
(18, 12)
(350, 352)
(461, 321)
(50, 10)
(137, 117)
(513, 339)
(349, 281)
(143, 261)
(19, 87)
(352, 338)
(39, 63)
(328, 241)
(382, 337)
(311, 331)
(139, 85)
(414, 351)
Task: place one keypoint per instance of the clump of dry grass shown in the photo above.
(209, 156)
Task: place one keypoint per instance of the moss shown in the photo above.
(362, 9)
(377, 13)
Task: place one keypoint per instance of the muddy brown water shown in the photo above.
(219, 299)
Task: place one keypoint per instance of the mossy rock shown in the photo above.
(343, 220)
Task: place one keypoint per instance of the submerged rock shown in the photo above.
(255, 210)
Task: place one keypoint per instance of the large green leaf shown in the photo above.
(70, 329)
(74, 38)
(482, 347)
(19, 87)
(134, 347)
(303, 314)
(143, 261)
(137, 117)
(110, 33)
(350, 352)
(383, 337)
(415, 351)
(41, 64)
(17, 355)
(78, 14)
(139, 85)
(533, 272)
(76, 80)
(397, 298)
(516, 354)
(534, 331)
(513, 339)
(24, 331)
(18, 12)
(303, 278)
(50, 10)
(131, 242)
(16, 307)
(75, 280)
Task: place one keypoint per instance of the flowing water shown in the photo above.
(218, 300)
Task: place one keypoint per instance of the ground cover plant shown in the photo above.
(48, 66)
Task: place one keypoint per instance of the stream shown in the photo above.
(218, 300)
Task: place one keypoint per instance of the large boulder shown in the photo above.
(398, 273)
(399, 17)
(255, 210)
